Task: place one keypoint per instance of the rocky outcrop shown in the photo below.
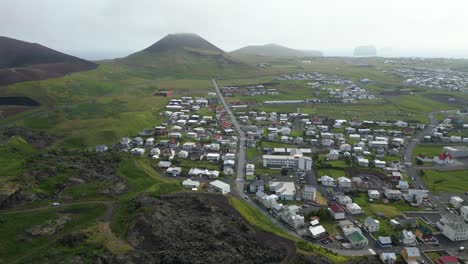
(188, 228)
(50, 227)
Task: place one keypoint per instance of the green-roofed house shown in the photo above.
(357, 239)
(423, 232)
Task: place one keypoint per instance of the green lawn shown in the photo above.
(427, 150)
(334, 173)
(446, 181)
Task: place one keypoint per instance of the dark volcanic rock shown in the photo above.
(188, 228)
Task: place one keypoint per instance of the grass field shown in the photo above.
(334, 173)
(446, 181)
(15, 243)
(427, 150)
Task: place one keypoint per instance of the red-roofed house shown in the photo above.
(337, 211)
(443, 158)
(447, 260)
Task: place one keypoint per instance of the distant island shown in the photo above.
(365, 51)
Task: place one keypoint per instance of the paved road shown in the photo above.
(241, 156)
(411, 170)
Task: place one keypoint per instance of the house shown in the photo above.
(456, 201)
(174, 171)
(164, 164)
(284, 190)
(447, 260)
(363, 162)
(384, 241)
(453, 227)
(268, 201)
(220, 186)
(411, 255)
(403, 185)
(353, 208)
(309, 193)
(249, 170)
(138, 151)
(380, 164)
(344, 199)
(256, 186)
(183, 154)
(346, 226)
(213, 157)
(464, 212)
(388, 258)
(337, 211)
(392, 194)
(344, 182)
(316, 231)
(190, 184)
(416, 196)
(371, 225)
(327, 181)
(408, 238)
(396, 176)
(373, 194)
(424, 233)
(357, 239)
(333, 154)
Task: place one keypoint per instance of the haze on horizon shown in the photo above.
(97, 29)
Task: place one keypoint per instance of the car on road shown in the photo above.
(246, 197)
(56, 204)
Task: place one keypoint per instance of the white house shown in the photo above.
(388, 258)
(392, 194)
(403, 185)
(408, 238)
(213, 157)
(456, 201)
(453, 227)
(373, 194)
(267, 200)
(333, 154)
(220, 186)
(371, 224)
(353, 208)
(344, 182)
(363, 162)
(344, 199)
(249, 169)
(327, 181)
(316, 231)
(380, 164)
(464, 212)
(183, 154)
(309, 193)
(190, 184)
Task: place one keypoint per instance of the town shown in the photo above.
(351, 186)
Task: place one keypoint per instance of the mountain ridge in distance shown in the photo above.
(22, 61)
(275, 50)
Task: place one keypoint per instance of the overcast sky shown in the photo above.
(106, 28)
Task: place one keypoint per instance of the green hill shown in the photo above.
(274, 50)
(186, 55)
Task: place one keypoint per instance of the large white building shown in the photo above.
(457, 151)
(284, 190)
(249, 169)
(453, 227)
(295, 160)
